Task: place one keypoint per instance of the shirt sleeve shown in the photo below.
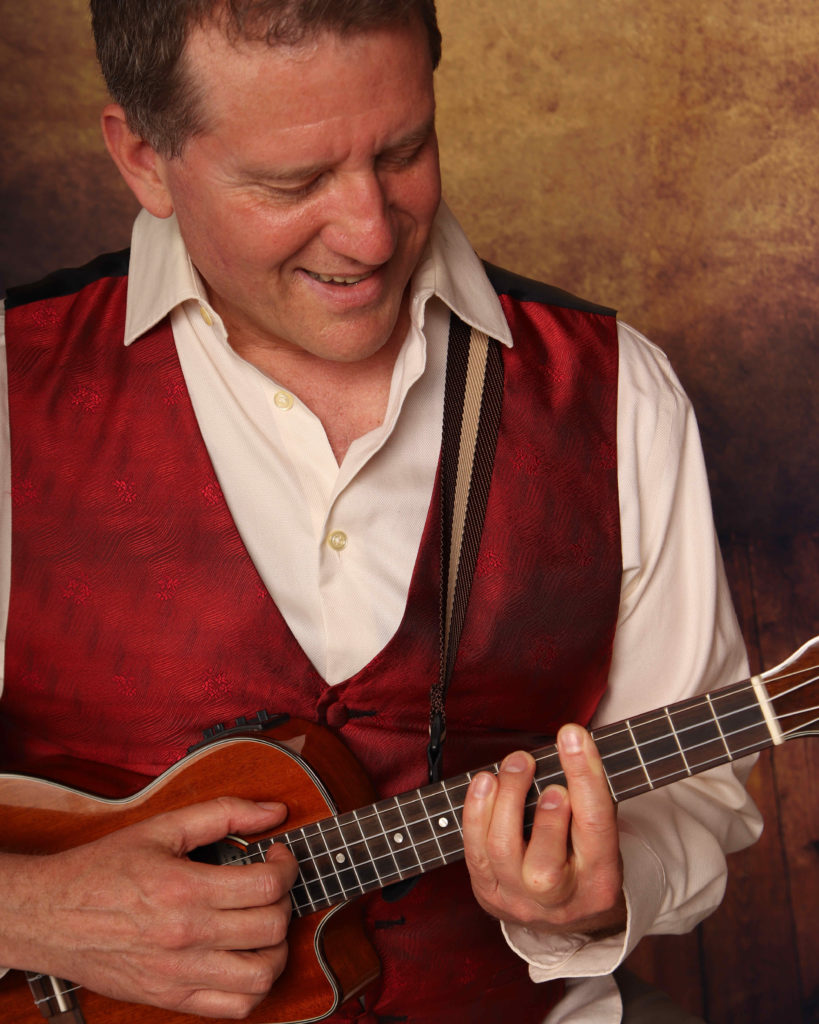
(676, 635)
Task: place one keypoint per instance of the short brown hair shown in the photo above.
(141, 44)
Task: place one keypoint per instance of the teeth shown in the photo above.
(335, 279)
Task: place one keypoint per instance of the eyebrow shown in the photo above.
(416, 137)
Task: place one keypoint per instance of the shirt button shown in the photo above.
(282, 400)
(337, 540)
(206, 316)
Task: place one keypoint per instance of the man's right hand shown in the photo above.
(131, 917)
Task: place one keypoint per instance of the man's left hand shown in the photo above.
(568, 876)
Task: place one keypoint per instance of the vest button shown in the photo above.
(337, 716)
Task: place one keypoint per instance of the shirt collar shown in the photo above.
(452, 271)
(162, 277)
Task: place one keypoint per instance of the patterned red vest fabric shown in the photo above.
(137, 619)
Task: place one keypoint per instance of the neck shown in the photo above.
(349, 398)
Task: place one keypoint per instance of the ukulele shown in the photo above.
(346, 845)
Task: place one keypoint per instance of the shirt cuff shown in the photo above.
(582, 956)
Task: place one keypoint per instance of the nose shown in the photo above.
(361, 224)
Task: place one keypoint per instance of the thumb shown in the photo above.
(185, 829)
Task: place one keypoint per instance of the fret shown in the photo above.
(719, 727)
(416, 815)
(743, 719)
(356, 843)
(309, 875)
(660, 749)
(353, 869)
(446, 822)
(340, 858)
(636, 745)
(677, 741)
(381, 843)
(621, 760)
(400, 839)
(323, 865)
(253, 854)
(377, 844)
(454, 839)
(300, 895)
(698, 733)
(456, 796)
(547, 768)
(300, 898)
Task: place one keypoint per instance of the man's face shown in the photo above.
(308, 199)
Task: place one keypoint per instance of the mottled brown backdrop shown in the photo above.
(655, 156)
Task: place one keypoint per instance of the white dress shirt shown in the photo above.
(336, 546)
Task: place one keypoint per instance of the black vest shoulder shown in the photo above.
(523, 289)
(71, 280)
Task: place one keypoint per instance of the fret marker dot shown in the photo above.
(443, 822)
(398, 838)
(340, 858)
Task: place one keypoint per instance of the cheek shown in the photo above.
(427, 193)
(271, 233)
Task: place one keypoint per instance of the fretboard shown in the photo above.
(403, 836)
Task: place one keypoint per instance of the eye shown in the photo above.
(294, 192)
(404, 156)
(297, 190)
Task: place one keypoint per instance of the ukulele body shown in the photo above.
(330, 958)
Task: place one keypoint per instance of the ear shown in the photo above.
(137, 160)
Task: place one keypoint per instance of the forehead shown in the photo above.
(374, 83)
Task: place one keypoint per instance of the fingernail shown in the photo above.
(514, 763)
(552, 798)
(481, 785)
(273, 805)
(571, 739)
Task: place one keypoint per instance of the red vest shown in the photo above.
(137, 619)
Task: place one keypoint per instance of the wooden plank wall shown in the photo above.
(756, 960)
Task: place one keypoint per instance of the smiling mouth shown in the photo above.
(344, 280)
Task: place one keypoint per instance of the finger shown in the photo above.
(250, 929)
(477, 816)
(546, 871)
(506, 842)
(594, 833)
(250, 885)
(238, 982)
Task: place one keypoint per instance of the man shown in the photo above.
(236, 509)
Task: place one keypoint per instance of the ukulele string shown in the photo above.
(392, 874)
(545, 781)
(556, 776)
(397, 873)
(42, 1000)
(552, 755)
(662, 716)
